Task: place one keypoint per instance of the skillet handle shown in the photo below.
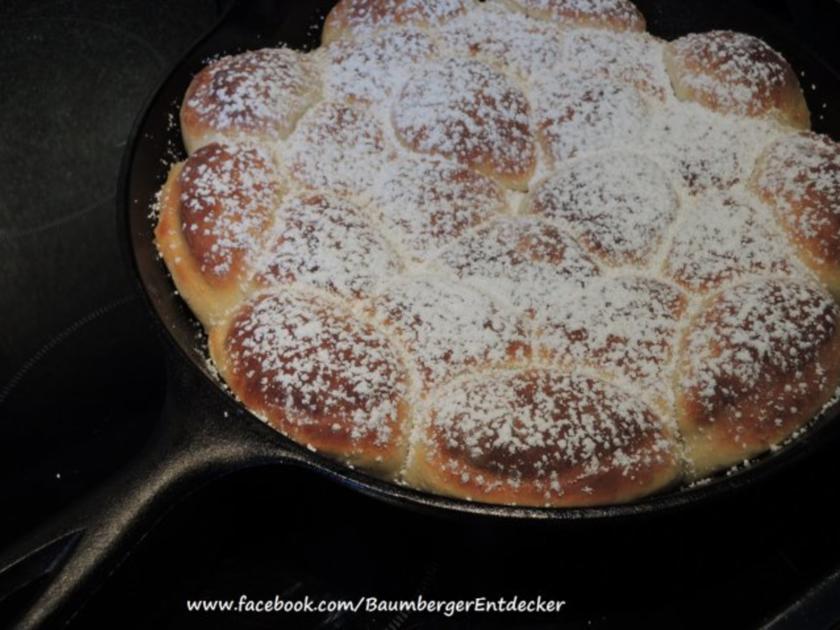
(198, 438)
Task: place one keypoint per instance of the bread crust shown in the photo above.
(529, 442)
(284, 355)
(734, 73)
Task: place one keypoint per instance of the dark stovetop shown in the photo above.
(81, 379)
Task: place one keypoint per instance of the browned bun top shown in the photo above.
(467, 111)
(509, 40)
(759, 360)
(427, 202)
(629, 58)
(618, 205)
(448, 327)
(337, 148)
(528, 261)
(371, 69)
(736, 73)
(327, 243)
(543, 437)
(624, 326)
(227, 197)
(616, 15)
(721, 242)
(317, 373)
(799, 177)
(259, 93)
(360, 17)
(578, 115)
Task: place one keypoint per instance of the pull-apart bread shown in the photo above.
(514, 251)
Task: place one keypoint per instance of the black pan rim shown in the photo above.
(677, 498)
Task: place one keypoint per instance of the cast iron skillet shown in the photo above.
(204, 433)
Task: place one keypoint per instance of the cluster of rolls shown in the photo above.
(519, 252)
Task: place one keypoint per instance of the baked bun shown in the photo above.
(338, 149)
(319, 375)
(634, 59)
(426, 203)
(512, 42)
(706, 153)
(361, 17)
(798, 176)
(616, 15)
(257, 95)
(448, 327)
(541, 437)
(738, 74)
(324, 242)
(624, 326)
(755, 364)
(469, 112)
(514, 251)
(371, 69)
(722, 242)
(575, 116)
(214, 209)
(528, 261)
(619, 206)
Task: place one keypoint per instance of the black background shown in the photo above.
(81, 382)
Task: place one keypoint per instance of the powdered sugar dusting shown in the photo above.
(448, 327)
(311, 366)
(227, 196)
(625, 326)
(527, 260)
(575, 115)
(618, 205)
(326, 243)
(799, 176)
(554, 432)
(258, 93)
(632, 59)
(514, 42)
(337, 148)
(611, 14)
(372, 69)
(750, 334)
(730, 72)
(721, 241)
(427, 202)
(467, 111)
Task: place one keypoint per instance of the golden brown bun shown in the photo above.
(541, 437)
(735, 73)
(575, 115)
(508, 40)
(317, 374)
(337, 148)
(426, 203)
(368, 71)
(619, 206)
(430, 112)
(448, 327)
(758, 362)
(525, 260)
(623, 326)
(351, 17)
(798, 176)
(257, 95)
(722, 242)
(324, 242)
(615, 15)
(213, 210)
